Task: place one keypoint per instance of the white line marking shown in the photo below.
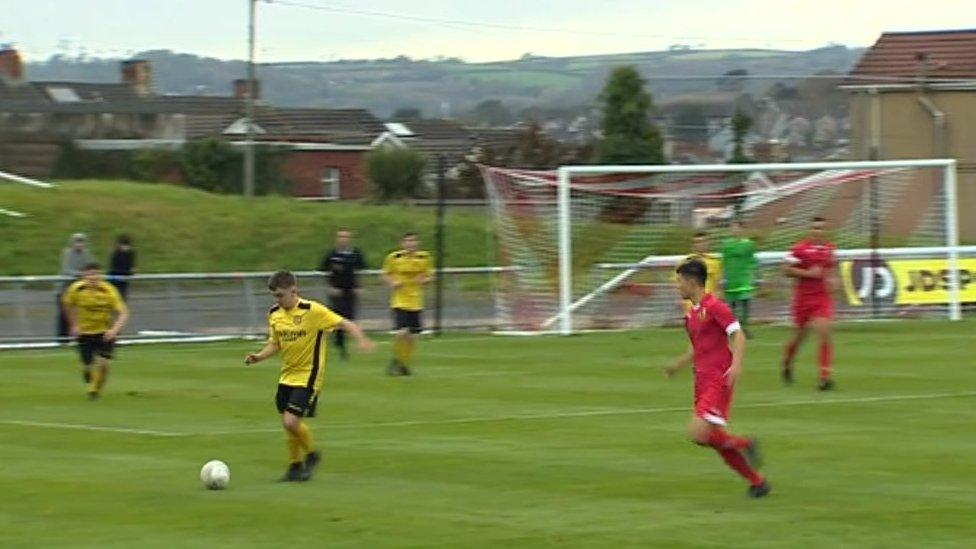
(486, 419)
(616, 412)
(79, 427)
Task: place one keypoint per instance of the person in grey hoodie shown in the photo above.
(73, 260)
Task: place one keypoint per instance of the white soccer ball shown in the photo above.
(215, 475)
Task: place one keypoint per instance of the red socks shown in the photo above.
(826, 356)
(738, 463)
(791, 348)
(720, 440)
(730, 448)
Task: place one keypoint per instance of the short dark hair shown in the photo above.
(124, 239)
(282, 279)
(92, 266)
(408, 234)
(819, 219)
(701, 234)
(693, 269)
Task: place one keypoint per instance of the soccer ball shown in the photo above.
(215, 475)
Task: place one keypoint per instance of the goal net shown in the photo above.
(595, 247)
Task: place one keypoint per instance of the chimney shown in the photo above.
(240, 89)
(137, 74)
(923, 68)
(11, 65)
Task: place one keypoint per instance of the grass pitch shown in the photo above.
(566, 442)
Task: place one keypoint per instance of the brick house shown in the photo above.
(326, 146)
(913, 95)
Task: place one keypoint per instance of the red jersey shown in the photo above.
(805, 255)
(709, 325)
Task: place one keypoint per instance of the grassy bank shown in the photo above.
(180, 229)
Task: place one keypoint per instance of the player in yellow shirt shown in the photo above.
(297, 329)
(699, 251)
(406, 271)
(96, 314)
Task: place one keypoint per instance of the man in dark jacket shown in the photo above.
(342, 264)
(122, 265)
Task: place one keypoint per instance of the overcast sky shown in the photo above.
(508, 28)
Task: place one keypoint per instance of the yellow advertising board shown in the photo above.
(906, 281)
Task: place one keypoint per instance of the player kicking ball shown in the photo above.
(710, 324)
(297, 328)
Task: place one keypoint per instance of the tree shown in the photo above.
(215, 166)
(532, 149)
(740, 127)
(629, 137)
(408, 113)
(396, 173)
(492, 112)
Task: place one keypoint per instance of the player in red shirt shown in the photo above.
(710, 323)
(811, 262)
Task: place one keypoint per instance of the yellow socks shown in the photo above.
(294, 448)
(305, 438)
(97, 374)
(403, 350)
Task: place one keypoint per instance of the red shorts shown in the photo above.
(713, 398)
(808, 309)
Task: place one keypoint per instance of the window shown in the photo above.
(331, 183)
(63, 95)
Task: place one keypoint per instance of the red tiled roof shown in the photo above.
(896, 58)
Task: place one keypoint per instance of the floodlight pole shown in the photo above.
(249, 105)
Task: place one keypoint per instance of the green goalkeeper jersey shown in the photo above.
(739, 264)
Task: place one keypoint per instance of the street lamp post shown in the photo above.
(249, 105)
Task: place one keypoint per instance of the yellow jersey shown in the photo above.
(407, 268)
(299, 334)
(94, 305)
(714, 268)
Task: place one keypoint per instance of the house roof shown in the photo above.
(438, 129)
(712, 105)
(86, 91)
(902, 57)
(341, 123)
(338, 126)
(205, 116)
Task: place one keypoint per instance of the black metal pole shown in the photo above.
(439, 246)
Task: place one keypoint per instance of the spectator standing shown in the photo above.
(74, 257)
(122, 265)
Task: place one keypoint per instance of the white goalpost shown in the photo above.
(595, 246)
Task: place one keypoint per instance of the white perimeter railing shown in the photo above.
(212, 306)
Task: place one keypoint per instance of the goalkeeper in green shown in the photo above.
(739, 265)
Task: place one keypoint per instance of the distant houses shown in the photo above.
(913, 95)
(325, 147)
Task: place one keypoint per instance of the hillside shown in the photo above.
(452, 86)
(177, 229)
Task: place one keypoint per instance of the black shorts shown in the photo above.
(344, 304)
(90, 345)
(410, 320)
(300, 401)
